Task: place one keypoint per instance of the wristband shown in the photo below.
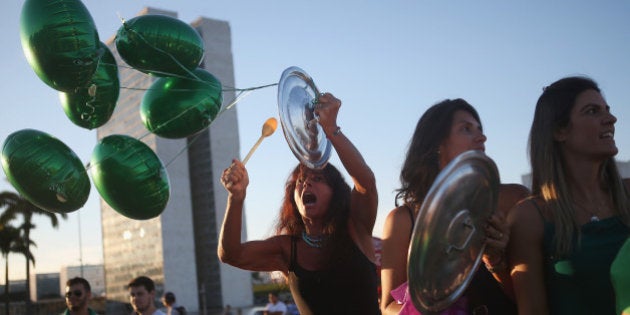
(336, 132)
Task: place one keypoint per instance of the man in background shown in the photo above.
(78, 295)
(275, 306)
(142, 296)
(172, 308)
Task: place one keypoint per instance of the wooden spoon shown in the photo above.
(267, 130)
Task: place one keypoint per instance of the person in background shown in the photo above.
(78, 295)
(228, 310)
(142, 296)
(172, 308)
(275, 306)
(292, 308)
(444, 131)
(323, 242)
(565, 238)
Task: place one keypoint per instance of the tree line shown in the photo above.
(16, 224)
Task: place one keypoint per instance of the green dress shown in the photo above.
(620, 275)
(580, 283)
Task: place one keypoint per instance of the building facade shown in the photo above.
(44, 286)
(178, 248)
(624, 169)
(94, 274)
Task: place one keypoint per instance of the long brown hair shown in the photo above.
(290, 221)
(422, 164)
(549, 178)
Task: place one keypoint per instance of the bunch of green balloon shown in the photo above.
(60, 41)
(130, 177)
(45, 171)
(176, 107)
(93, 105)
(159, 45)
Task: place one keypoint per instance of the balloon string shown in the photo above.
(89, 165)
(182, 113)
(238, 97)
(186, 147)
(242, 93)
(129, 29)
(175, 75)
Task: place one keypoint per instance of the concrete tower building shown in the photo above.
(178, 248)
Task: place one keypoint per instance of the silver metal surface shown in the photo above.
(297, 96)
(448, 239)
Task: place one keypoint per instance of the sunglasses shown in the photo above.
(77, 293)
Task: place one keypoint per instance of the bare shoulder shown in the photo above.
(514, 191)
(527, 213)
(510, 195)
(527, 229)
(281, 241)
(399, 218)
(282, 244)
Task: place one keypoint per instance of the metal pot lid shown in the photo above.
(448, 239)
(297, 96)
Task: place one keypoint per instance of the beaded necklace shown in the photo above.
(314, 241)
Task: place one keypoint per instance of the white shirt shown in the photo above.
(278, 307)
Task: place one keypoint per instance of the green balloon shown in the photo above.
(93, 105)
(177, 108)
(159, 45)
(45, 171)
(130, 177)
(620, 276)
(60, 42)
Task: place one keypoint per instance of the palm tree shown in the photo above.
(15, 205)
(11, 241)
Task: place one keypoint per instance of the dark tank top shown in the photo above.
(580, 283)
(485, 295)
(349, 286)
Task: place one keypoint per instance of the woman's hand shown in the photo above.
(497, 238)
(327, 109)
(235, 179)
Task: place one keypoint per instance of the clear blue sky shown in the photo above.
(388, 61)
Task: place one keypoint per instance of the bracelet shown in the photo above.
(336, 132)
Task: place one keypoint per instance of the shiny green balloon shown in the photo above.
(93, 105)
(177, 108)
(130, 177)
(60, 42)
(159, 45)
(45, 171)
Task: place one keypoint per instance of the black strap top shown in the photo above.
(349, 286)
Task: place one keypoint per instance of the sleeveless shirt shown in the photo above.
(349, 286)
(580, 283)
